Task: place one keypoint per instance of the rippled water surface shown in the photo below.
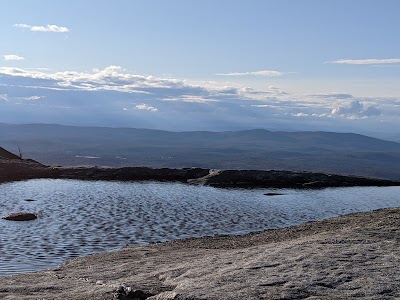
(82, 217)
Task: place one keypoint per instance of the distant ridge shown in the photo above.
(258, 149)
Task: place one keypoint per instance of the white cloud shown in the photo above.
(13, 57)
(304, 115)
(263, 105)
(144, 106)
(47, 28)
(190, 99)
(3, 97)
(332, 96)
(267, 73)
(355, 109)
(23, 26)
(34, 98)
(371, 61)
(300, 114)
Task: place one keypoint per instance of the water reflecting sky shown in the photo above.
(85, 217)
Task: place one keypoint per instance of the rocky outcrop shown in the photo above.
(21, 169)
(11, 170)
(284, 179)
(131, 173)
(224, 178)
(20, 216)
(7, 154)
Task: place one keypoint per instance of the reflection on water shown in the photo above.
(81, 217)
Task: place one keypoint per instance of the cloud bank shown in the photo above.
(114, 97)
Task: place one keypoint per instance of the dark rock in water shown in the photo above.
(273, 194)
(20, 216)
(29, 200)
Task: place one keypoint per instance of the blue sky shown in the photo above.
(216, 65)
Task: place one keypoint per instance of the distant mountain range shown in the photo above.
(329, 152)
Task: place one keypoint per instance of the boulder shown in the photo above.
(20, 216)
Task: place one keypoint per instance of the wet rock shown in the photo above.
(273, 194)
(20, 216)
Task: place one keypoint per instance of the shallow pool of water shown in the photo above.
(85, 217)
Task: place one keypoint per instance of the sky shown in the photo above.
(203, 65)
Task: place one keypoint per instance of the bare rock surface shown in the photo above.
(351, 257)
(284, 179)
(131, 173)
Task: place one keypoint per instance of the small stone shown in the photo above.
(20, 216)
